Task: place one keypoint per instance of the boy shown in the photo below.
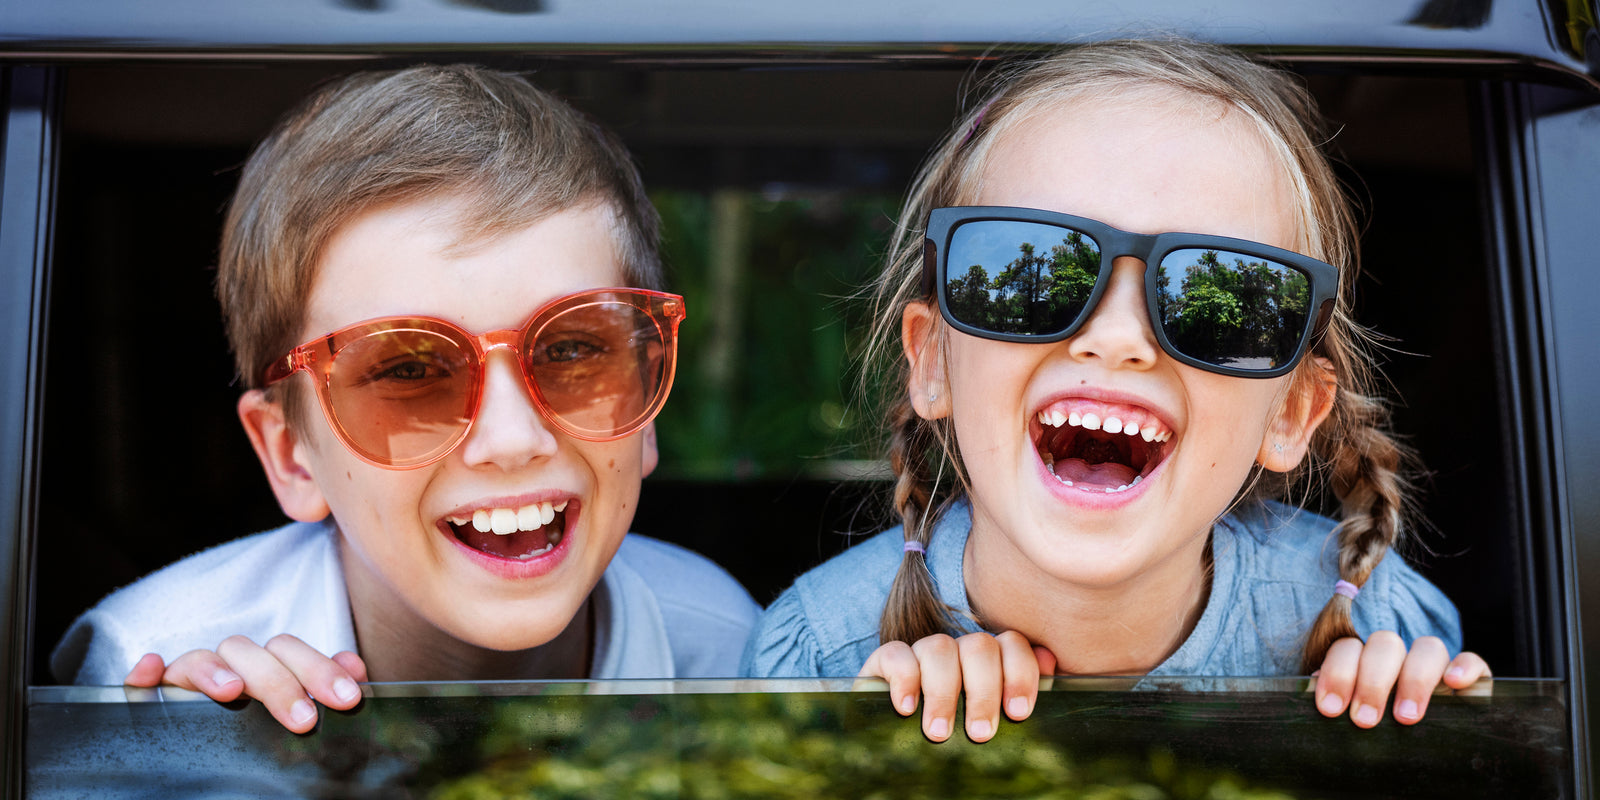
(461, 497)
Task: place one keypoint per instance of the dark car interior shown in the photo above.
(768, 465)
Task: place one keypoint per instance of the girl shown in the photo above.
(1120, 288)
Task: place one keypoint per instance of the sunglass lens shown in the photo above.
(401, 395)
(601, 367)
(1023, 278)
(1232, 309)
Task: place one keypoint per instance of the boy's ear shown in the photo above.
(282, 457)
(919, 338)
(1310, 399)
(652, 456)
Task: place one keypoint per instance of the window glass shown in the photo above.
(1250, 739)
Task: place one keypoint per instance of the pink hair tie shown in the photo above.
(1347, 589)
(915, 547)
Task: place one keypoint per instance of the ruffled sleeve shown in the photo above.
(783, 644)
(1398, 599)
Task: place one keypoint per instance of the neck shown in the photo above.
(399, 645)
(1128, 627)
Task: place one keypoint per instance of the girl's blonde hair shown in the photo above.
(1363, 463)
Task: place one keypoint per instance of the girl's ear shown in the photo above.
(1308, 403)
(282, 456)
(919, 338)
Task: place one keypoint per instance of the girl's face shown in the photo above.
(1063, 500)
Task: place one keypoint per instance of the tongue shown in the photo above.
(1105, 475)
(512, 545)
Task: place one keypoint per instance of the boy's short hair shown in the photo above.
(514, 152)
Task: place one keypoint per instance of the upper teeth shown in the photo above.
(1092, 421)
(506, 521)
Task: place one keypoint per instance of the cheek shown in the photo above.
(987, 380)
(1234, 414)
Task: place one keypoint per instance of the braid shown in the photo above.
(1367, 471)
(913, 610)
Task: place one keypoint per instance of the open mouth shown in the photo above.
(1098, 448)
(516, 534)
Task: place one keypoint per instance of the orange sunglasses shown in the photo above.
(402, 392)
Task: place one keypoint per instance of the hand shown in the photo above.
(988, 667)
(1361, 675)
(285, 676)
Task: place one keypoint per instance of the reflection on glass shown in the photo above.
(1019, 277)
(1192, 737)
(1231, 309)
(763, 387)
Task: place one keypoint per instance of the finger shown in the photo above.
(1381, 659)
(1020, 665)
(894, 662)
(983, 678)
(352, 664)
(147, 673)
(1466, 669)
(1336, 680)
(269, 681)
(940, 661)
(1420, 673)
(325, 679)
(1047, 666)
(205, 672)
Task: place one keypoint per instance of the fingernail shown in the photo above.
(1330, 703)
(224, 677)
(980, 729)
(1366, 715)
(1456, 673)
(1407, 709)
(1018, 707)
(939, 728)
(302, 712)
(346, 689)
(908, 704)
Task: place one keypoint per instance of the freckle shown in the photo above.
(348, 477)
(611, 464)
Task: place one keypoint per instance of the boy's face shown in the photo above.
(412, 558)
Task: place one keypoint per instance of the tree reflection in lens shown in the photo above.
(1232, 309)
(1044, 275)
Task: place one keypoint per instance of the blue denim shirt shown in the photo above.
(1274, 568)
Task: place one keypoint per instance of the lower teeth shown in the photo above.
(536, 553)
(1108, 490)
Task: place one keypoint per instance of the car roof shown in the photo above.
(1532, 35)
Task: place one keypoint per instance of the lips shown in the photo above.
(1095, 446)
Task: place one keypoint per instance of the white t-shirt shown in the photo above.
(660, 611)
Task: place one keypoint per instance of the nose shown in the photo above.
(1117, 333)
(509, 432)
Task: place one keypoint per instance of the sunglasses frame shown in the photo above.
(1114, 244)
(316, 358)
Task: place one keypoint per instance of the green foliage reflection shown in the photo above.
(1250, 312)
(763, 353)
(795, 746)
(1035, 293)
(1228, 309)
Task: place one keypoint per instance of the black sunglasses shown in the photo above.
(1229, 306)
